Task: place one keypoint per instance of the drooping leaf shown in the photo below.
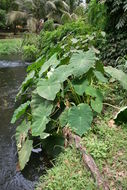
(26, 83)
(118, 75)
(64, 118)
(97, 105)
(100, 76)
(121, 116)
(22, 132)
(20, 111)
(53, 61)
(80, 118)
(24, 153)
(48, 89)
(80, 86)
(41, 109)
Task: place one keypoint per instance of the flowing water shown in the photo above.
(11, 76)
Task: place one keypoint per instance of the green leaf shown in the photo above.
(24, 153)
(47, 88)
(118, 75)
(20, 111)
(80, 118)
(53, 61)
(44, 135)
(93, 92)
(64, 118)
(41, 109)
(81, 62)
(26, 83)
(97, 105)
(22, 132)
(100, 76)
(80, 86)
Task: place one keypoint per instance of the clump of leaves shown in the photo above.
(64, 90)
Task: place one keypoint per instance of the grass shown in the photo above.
(10, 47)
(107, 143)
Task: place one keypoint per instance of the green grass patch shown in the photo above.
(107, 143)
(10, 47)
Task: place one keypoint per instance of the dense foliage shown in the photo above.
(117, 10)
(64, 87)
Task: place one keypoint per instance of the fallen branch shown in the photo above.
(87, 159)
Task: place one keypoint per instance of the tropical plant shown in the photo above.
(97, 14)
(117, 10)
(2, 19)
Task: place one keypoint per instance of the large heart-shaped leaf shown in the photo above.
(81, 62)
(41, 109)
(80, 118)
(20, 111)
(24, 153)
(118, 75)
(47, 88)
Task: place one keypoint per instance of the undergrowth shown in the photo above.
(107, 144)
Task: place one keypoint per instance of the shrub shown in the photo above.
(49, 25)
(30, 53)
(117, 12)
(2, 19)
(97, 14)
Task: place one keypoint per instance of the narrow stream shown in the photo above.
(11, 76)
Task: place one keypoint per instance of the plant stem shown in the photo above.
(107, 104)
(73, 92)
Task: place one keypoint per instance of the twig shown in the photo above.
(107, 104)
(87, 159)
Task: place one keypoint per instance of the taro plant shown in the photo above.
(64, 91)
